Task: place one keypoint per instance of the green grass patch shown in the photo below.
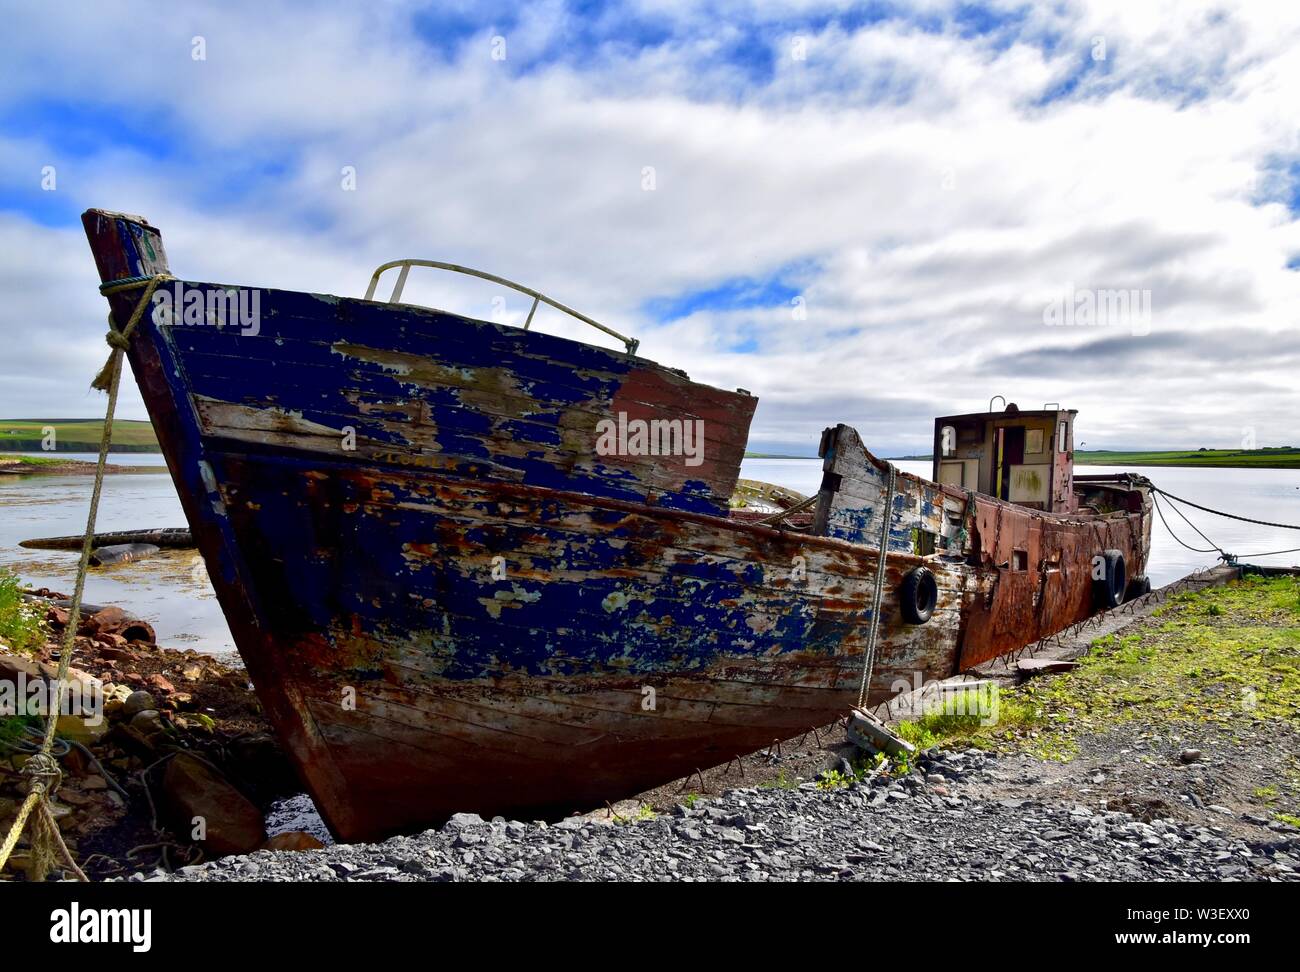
(865, 767)
(76, 435)
(1226, 656)
(966, 716)
(22, 625)
(781, 782)
(834, 779)
(30, 460)
(984, 721)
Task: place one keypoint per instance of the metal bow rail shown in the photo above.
(631, 343)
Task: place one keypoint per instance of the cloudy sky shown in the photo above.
(866, 213)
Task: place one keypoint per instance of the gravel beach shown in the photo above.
(927, 827)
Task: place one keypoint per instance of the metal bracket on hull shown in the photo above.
(631, 343)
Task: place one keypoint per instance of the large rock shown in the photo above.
(147, 722)
(160, 683)
(104, 619)
(83, 692)
(138, 702)
(82, 730)
(193, 789)
(12, 667)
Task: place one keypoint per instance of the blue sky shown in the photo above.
(858, 211)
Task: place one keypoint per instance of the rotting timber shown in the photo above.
(450, 597)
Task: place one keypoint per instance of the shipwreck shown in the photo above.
(459, 585)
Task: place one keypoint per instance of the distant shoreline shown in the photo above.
(47, 466)
(133, 435)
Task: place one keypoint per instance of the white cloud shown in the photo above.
(931, 205)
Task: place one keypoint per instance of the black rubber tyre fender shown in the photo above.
(1138, 587)
(1108, 590)
(918, 595)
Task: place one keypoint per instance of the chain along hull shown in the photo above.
(449, 600)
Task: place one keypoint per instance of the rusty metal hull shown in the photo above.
(448, 600)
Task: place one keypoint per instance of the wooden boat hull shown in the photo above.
(578, 682)
(447, 600)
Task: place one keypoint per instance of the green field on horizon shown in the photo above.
(1280, 457)
(76, 435)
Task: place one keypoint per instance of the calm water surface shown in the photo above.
(166, 590)
(169, 593)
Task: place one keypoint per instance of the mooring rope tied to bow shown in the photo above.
(869, 656)
(42, 767)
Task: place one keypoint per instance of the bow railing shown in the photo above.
(538, 298)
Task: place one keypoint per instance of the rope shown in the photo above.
(121, 340)
(1271, 553)
(1214, 547)
(42, 767)
(1230, 516)
(869, 656)
(16, 830)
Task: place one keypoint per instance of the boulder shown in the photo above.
(459, 821)
(83, 693)
(193, 789)
(103, 620)
(160, 683)
(12, 665)
(147, 722)
(74, 798)
(85, 731)
(137, 702)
